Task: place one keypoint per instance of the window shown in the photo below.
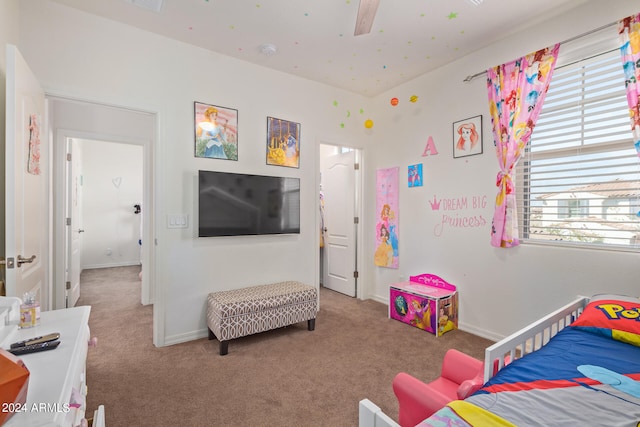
(573, 208)
(579, 179)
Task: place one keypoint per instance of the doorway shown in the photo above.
(80, 120)
(105, 184)
(340, 214)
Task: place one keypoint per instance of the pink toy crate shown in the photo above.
(426, 302)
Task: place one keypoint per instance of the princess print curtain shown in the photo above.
(629, 31)
(516, 93)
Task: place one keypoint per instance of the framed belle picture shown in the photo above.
(467, 137)
(283, 143)
(216, 132)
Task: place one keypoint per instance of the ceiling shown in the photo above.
(314, 39)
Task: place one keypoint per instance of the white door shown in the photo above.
(338, 186)
(74, 227)
(26, 172)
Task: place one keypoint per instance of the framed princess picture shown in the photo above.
(216, 132)
(414, 175)
(467, 137)
(283, 143)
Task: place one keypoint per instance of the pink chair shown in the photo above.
(461, 376)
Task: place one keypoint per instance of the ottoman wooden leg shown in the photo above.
(211, 335)
(311, 324)
(224, 347)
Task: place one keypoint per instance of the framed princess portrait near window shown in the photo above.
(467, 137)
(283, 143)
(216, 132)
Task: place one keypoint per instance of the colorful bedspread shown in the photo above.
(580, 378)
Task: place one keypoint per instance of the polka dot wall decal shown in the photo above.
(362, 111)
(342, 125)
(335, 103)
(452, 15)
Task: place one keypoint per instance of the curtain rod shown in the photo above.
(471, 77)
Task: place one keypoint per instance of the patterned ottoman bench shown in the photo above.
(241, 312)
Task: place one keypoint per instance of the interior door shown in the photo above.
(74, 227)
(26, 171)
(338, 185)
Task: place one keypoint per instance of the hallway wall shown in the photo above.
(111, 186)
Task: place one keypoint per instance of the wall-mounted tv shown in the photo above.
(234, 204)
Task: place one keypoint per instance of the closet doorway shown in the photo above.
(339, 218)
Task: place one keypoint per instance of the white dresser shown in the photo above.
(57, 389)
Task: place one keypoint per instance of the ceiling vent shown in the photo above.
(153, 5)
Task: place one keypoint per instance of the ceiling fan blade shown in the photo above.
(366, 14)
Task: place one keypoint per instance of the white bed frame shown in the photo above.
(515, 346)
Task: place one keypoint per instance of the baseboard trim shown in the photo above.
(188, 336)
(120, 264)
(482, 333)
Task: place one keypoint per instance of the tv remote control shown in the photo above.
(33, 348)
(36, 340)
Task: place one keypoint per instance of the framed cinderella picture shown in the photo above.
(216, 132)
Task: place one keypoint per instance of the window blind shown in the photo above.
(579, 179)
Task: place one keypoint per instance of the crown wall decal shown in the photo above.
(435, 205)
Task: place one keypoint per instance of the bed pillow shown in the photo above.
(614, 318)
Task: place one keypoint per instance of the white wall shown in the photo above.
(501, 290)
(111, 186)
(82, 56)
(78, 55)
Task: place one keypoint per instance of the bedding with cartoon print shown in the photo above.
(587, 375)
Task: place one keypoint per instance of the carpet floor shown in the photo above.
(286, 377)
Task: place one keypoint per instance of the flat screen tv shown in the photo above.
(234, 204)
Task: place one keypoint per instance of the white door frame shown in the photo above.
(151, 291)
(359, 203)
(60, 186)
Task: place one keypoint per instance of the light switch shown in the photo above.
(178, 221)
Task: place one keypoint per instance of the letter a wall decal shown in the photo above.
(430, 148)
